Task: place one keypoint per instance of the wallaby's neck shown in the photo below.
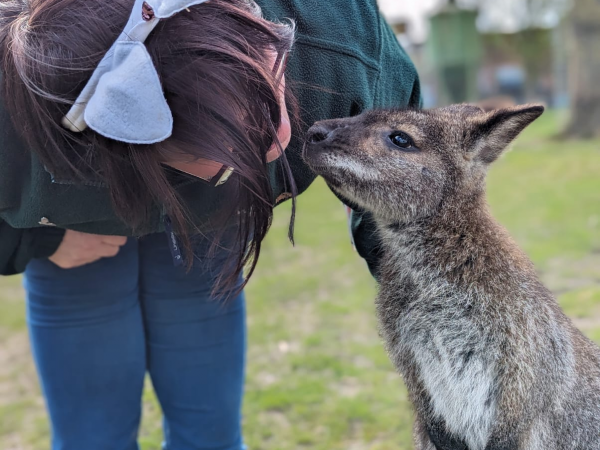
(462, 243)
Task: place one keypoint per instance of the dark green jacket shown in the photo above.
(346, 59)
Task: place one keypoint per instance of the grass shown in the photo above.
(318, 377)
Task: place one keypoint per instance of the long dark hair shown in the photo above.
(213, 65)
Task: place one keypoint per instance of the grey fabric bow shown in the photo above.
(123, 99)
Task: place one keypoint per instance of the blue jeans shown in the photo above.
(96, 330)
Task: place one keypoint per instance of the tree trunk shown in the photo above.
(585, 69)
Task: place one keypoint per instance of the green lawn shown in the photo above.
(318, 377)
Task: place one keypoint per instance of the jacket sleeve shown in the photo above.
(19, 246)
(398, 87)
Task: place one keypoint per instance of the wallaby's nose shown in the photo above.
(317, 134)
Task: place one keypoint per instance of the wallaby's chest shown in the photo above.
(434, 332)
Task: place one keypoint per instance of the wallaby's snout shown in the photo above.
(317, 135)
(328, 143)
(320, 133)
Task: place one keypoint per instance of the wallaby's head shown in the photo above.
(405, 165)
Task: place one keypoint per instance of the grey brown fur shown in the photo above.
(490, 360)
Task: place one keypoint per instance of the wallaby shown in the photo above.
(489, 359)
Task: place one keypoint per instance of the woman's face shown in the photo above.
(206, 169)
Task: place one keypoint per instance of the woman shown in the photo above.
(198, 191)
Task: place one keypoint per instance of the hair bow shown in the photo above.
(124, 100)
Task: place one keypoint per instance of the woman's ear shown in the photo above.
(284, 134)
(494, 131)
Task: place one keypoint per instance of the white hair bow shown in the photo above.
(124, 100)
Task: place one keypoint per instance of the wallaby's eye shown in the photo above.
(403, 141)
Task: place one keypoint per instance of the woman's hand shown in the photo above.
(78, 249)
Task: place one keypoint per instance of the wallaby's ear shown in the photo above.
(496, 129)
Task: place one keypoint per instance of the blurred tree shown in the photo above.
(584, 22)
